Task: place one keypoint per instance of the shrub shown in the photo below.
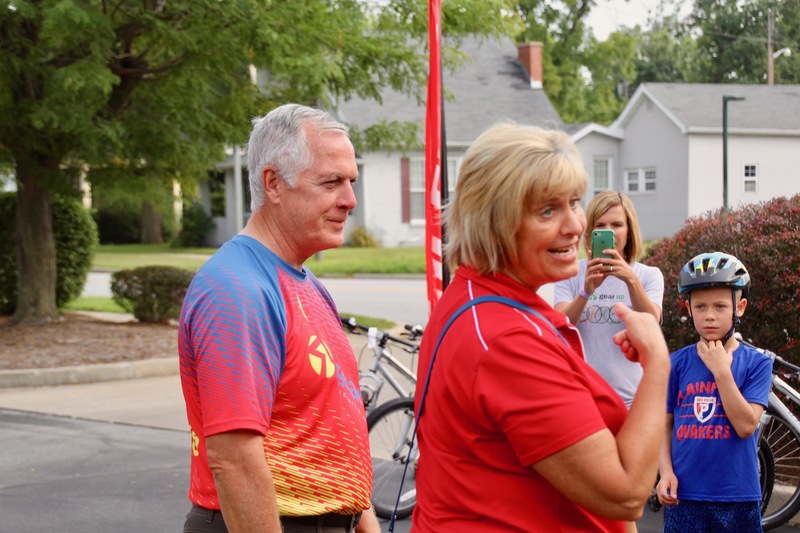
(119, 223)
(75, 236)
(362, 238)
(151, 293)
(766, 238)
(196, 226)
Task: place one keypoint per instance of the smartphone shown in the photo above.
(602, 239)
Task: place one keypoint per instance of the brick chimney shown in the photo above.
(530, 57)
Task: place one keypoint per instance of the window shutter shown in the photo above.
(405, 190)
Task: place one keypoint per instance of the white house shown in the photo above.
(665, 150)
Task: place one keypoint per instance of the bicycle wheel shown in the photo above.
(391, 426)
(784, 443)
(766, 473)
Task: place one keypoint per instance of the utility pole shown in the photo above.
(725, 100)
(770, 46)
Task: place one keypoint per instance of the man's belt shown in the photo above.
(348, 521)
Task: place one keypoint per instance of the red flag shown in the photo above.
(433, 158)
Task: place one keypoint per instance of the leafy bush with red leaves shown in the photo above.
(766, 238)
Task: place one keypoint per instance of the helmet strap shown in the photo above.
(736, 320)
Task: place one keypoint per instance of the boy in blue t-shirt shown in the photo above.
(718, 389)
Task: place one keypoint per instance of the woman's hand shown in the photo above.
(642, 340)
(597, 270)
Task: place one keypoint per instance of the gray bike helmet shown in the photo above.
(715, 269)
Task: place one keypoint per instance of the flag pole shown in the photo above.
(445, 190)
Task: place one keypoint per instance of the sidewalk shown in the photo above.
(146, 392)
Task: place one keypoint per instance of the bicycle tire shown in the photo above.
(391, 426)
(784, 444)
(766, 473)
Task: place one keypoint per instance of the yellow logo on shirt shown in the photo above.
(320, 357)
(195, 444)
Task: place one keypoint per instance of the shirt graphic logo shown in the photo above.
(704, 407)
(320, 357)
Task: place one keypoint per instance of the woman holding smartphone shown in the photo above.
(588, 298)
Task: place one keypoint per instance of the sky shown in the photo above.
(610, 15)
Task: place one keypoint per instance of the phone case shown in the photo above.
(602, 239)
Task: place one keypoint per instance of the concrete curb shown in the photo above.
(65, 375)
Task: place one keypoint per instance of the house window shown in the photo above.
(640, 180)
(416, 185)
(750, 177)
(650, 179)
(601, 171)
(416, 188)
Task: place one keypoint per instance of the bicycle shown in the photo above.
(379, 371)
(779, 446)
(390, 424)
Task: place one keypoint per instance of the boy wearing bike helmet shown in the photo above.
(718, 389)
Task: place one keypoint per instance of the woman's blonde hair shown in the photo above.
(505, 172)
(598, 206)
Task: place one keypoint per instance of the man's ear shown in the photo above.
(272, 182)
(688, 304)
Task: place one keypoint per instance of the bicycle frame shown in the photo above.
(377, 368)
(379, 371)
(776, 405)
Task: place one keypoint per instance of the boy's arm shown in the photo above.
(743, 416)
(667, 488)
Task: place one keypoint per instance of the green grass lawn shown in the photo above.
(94, 303)
(336, 262)
(340, 261)
(128, 256)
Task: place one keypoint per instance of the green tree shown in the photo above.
(120, 86)
(581, 74)
(787, 35)
(721, 41)
(613, 67)
(561, 27)
(668, 53)
(733, 39)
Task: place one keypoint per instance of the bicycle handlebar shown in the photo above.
(778, 362)
(382, 336)
(414, 332)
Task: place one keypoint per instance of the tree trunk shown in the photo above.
(36, 251)
(151, 224)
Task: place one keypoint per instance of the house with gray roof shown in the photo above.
(665, 150)
(499, 81)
